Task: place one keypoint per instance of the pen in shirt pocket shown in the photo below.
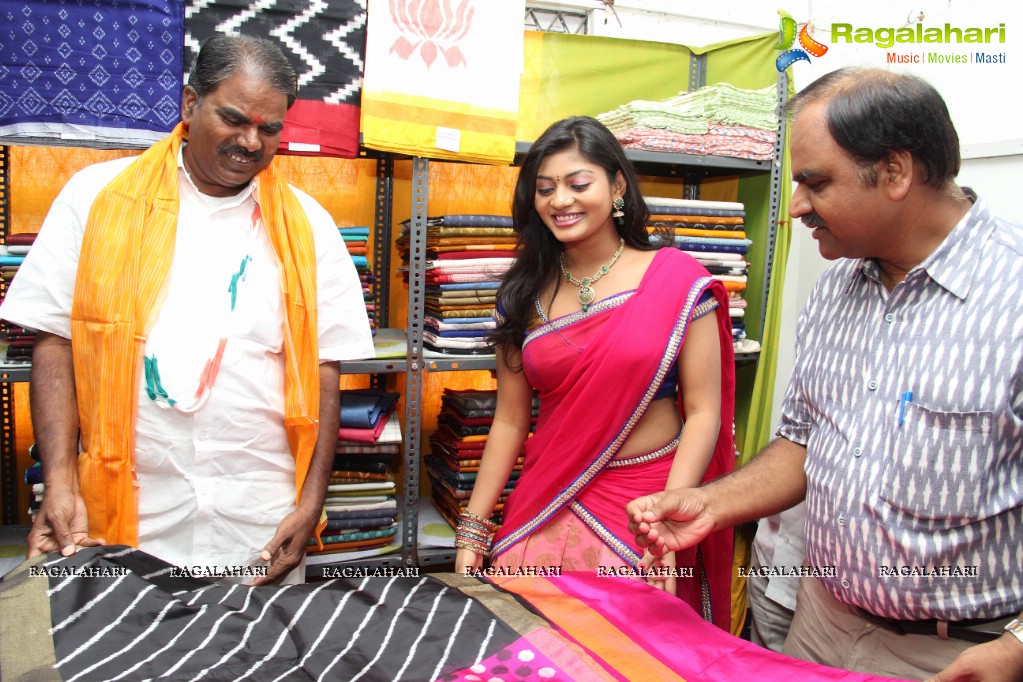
(907, 396)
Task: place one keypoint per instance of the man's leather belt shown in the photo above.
(974, 630)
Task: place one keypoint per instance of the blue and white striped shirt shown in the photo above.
(917, 502)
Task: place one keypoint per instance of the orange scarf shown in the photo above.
(126, 254)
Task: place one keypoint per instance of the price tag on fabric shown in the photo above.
(449, 139)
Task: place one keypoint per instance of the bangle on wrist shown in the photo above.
(474, 533)
(468, 516)
(477, 547)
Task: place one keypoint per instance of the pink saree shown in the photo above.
(632, 631)
(596, 374)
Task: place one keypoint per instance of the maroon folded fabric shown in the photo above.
(21, 238)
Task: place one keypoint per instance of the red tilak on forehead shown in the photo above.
(258, 120)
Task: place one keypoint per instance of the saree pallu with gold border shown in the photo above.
(596, 374)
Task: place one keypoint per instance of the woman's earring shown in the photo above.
(619, 215)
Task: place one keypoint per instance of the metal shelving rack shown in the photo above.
(8, 376)
(378, 369)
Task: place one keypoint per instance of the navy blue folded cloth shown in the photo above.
(364, 408)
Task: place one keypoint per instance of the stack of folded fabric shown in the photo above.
(716, 120)
(19, 243)
(356, 240)
(456, 448)
(20, 342)
(714, 233)
(670, 114)
(727, 104)
(12, 254)
(361, 506)
(467, 256)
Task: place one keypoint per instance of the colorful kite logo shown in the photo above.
(787, 36)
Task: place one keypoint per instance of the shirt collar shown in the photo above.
(955, 264)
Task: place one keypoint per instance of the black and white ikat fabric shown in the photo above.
(120, 614)
(325, 41)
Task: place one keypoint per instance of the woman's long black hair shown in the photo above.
(537, 263)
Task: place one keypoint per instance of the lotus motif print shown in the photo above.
(431, 27)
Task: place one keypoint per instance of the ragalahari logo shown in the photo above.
(787, 37)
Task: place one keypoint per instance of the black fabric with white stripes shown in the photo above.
(324, 41)
(142, 623)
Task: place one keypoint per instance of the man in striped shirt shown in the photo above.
(902, 425)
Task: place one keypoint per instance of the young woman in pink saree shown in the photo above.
(621, 360)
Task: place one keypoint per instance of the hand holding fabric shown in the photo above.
(467, 561)
(287, 547)
(662, 570)
(62, 524)
(670, 520)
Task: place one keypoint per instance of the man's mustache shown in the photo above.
(241, 151)
(813, 220)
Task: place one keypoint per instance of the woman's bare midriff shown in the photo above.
(655, 429)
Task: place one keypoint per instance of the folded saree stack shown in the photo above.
(357, 242)
(467, 256)
(716, 120)
(456, 448)
(714, 233)
(360, 503)
(19, 339)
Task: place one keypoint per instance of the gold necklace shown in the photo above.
(586, 294)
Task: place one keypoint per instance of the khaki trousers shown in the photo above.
(826, 631)
(770, 620)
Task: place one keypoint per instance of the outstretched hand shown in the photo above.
(669, 521)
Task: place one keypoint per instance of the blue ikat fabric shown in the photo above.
(90, 72)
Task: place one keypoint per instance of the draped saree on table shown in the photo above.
(115, 613)
(596, 374)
